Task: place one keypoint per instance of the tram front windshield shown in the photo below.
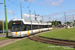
(16, 26)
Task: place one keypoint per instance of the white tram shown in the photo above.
(21, 28)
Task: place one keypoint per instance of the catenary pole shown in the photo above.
(35, 15)
(73, 17)
(49, 18)
(65, 17)
(42, 18)
(6, 18)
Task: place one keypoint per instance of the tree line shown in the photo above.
(55, 22)
(9, 25)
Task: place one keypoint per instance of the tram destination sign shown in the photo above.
(16, 22)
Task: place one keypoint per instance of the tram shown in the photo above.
(22, 28)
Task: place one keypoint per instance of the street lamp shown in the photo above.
(2, 16)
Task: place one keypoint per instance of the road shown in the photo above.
(4, 35)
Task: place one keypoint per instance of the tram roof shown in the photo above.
(33, 22)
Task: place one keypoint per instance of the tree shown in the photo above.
(10, 24)
(68, 23)
(1, 26)
(41, 21)
(55, 22)
(59, 22)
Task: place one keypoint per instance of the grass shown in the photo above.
(4, 38)
(27, 44)
(67, 34)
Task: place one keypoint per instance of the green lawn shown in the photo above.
(26, 44)
(67, 34)
(4, 38)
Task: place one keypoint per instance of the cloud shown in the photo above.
(57, 3)
(9, 11)
(59, 13)
(53, 14)
(47, 3)
(71, 11)
(26, 16)
(15, 18)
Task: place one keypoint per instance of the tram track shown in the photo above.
(53, 41)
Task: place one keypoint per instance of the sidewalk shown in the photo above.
(4, 34)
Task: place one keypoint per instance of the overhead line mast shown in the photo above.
(6, 18)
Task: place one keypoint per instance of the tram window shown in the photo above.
(43, 26)
(46, 26)
(39, 26)
(34, 27)
(28, 27)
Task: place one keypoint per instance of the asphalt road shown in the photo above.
(4, 35)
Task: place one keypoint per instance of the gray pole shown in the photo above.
(21, 10)
(49, 18)
(42, 18)
(2, 17)
(73, 17)
(65, 17)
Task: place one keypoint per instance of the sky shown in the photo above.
(47, 8)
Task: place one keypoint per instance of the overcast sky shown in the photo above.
(48, 8)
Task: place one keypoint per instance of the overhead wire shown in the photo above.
(19, 5)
